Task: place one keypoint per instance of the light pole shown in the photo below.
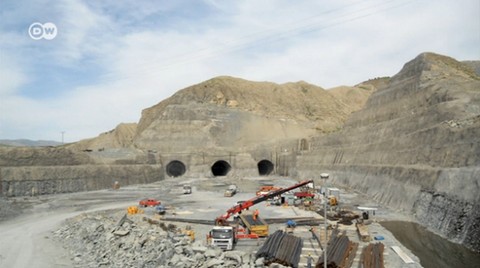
(324, 176)
(63, 133)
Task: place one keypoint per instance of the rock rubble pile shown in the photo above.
(110, 239)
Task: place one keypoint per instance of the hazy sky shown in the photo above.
(111, 59)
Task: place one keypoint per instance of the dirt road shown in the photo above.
(25, 241)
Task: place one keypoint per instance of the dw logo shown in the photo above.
(37, 31)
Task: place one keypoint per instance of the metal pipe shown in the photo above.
(325, 176)
(326, 234)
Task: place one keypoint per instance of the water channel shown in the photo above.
(432, 250)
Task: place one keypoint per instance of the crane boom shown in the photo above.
(255, 200)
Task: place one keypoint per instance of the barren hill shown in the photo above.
(120, 137)
(227, 112)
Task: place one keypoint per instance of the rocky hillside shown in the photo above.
(120, 137)
(233, 113)
(415, 146)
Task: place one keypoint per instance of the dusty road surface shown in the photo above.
(27, 240)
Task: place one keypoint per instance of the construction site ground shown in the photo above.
(25, 240)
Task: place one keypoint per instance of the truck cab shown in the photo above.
(187, 189)
(222, 237)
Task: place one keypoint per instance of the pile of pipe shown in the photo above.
(340, 252)
(281, 248)
(373, 255)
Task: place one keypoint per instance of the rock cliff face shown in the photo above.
(51, 170)
(40, 180)
(415, 146)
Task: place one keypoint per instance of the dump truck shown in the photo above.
(254, 225)
(231, 191)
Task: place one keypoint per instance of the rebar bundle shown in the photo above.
(373, 255)
(281, 248)
(340, 252)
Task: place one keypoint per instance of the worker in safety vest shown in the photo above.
(255, 214)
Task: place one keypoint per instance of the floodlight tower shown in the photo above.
(324, 176)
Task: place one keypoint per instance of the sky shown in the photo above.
(74, 69)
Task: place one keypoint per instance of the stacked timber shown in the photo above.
(363, 231)
(340, 252)
(281, 248)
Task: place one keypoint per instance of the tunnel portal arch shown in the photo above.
(265, 167)
(176, 168)
(221, 168)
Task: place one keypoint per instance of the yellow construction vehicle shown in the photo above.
(188, 231)
(333, 200)
(134, 210)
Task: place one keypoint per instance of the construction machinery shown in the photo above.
(254, 224)
(222, 220)
(133, 210)
(267, 189)
(231, 191)
(188, 231)
(150, 202)
(187, 189)
(160, 209)
(225, 236)
(222, 237)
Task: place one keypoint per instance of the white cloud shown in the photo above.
(145, 52)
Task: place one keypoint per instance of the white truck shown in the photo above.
(231, 191)
(187, 189)
(222, 237)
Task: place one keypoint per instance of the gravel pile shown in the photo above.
(111, 239)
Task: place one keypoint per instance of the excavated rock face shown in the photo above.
(35, 171)
(415, 146)
(235, 114)
(196, 128)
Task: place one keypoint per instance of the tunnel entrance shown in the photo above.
(221, 168)
(176, 168)
(265, 167)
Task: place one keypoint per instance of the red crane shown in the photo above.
(222, 220)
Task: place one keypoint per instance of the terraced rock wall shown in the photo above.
(39, 171)
(40, 180)
(415, 147)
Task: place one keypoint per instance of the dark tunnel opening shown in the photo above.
(221, 168)
(265, 167)
(176, 168)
